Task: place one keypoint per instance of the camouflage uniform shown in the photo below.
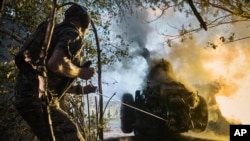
(32, 108)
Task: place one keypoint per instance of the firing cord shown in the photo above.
(138, 109)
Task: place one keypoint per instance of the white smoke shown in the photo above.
(129, 73)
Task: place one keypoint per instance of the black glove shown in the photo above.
(87, 64)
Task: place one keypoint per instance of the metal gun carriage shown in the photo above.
(163, 108)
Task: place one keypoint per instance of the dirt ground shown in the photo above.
(115, 134)
(176, 138)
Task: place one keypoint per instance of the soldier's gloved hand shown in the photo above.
(86, 73)
(87, 64)
(90, 89)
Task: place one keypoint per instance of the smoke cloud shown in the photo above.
(135, 27)
(129, 73)
(220, 75)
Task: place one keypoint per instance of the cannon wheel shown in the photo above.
(200, 116)
(127, 114)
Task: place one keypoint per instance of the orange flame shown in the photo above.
(229, 65)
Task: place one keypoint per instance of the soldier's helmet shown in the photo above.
(78, 13)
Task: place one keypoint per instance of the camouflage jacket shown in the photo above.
(66, 38)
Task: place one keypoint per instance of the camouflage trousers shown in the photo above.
(34, 112)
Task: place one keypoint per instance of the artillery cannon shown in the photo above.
(164, 107)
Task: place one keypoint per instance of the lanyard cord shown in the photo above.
(138, 109)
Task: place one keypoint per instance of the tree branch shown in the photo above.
(210, 25)
(230, 11)
(1, 8)
(45, 48)
(11, 34)
(197, 14)
(100, 129)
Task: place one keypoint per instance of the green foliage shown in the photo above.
(212, 45)
(77, 107)
(29, 13)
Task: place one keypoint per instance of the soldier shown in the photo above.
(63, 67)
